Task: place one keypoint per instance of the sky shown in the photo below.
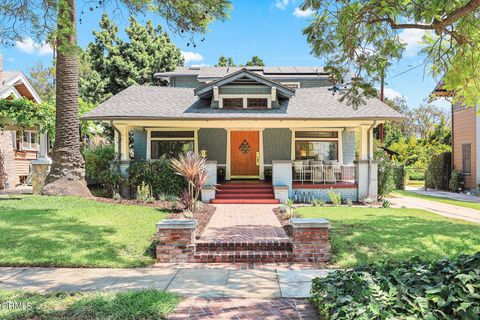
(270, 29)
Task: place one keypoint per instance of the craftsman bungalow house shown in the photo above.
(283, 124)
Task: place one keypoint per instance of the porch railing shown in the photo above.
(324, 174)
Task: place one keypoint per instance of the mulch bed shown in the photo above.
(202, 214)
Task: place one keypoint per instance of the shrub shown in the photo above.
(158, 175)
(438, 171)
(415, 174)
(97, 161)
(192, 167)
(143, 192)
(386, 173)
(446, 289)
(335, 197)
(112, 180)
(386, 203)
(318, 203)
(456, 181)
(399, 176)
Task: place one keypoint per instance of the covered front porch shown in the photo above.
(292, 154)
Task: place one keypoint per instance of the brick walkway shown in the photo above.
(226, 308)
(246, 222)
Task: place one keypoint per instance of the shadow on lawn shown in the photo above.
(395, 238)
(40, 237)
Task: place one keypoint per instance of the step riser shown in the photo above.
(251, 257)
(245, 196)
(242, 191)
(224, 248)
(245, 201)
(228, 187)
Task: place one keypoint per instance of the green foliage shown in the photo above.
(112, 180)
(111, 64)
(386, 173)
(335, 197)
(456, 181)
(142, 304)
(385, 203)
(438, 171)
(318, 202)
(97, 161)
(225, 61)
(361, 36)
(43, 81)
(416, 174)
(158, 175)
(255, 61)
(446, 289)
(22, 112)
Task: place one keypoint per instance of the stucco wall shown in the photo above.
(215, 142)
(277, 144)
(348, 145)
(139, 145)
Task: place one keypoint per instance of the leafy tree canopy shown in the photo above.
(225, 61)
(255, 61)
(23, 113)
(363, 36)
(110, 64)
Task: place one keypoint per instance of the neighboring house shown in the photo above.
(18, 147)
(253, 123)
(465, 141)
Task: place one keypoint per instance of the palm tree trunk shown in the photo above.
(67, 173)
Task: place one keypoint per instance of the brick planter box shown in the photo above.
(176, 240)
(310, 239)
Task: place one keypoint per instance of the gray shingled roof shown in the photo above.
(270, 71)
(143, 102)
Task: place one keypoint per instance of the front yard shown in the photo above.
(366, 235)
(466, 204)
(145, 304)
(75, 232)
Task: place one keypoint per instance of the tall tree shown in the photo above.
(40, 18)
(364, 35)
(42, 79)
(255, 61)
(225, 61)
(116, 64)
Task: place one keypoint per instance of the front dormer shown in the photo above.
(244, 89)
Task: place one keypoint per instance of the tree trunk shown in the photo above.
(67, 173)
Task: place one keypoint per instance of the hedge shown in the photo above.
(446, 289)
(438, 171)
(158, 175)
(391, 175)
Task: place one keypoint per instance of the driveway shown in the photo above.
(443, 209)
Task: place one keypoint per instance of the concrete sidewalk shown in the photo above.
(443, 209)
(198, 282)
(444, 194)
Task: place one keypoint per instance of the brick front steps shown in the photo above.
(245, 193)
(251, 251)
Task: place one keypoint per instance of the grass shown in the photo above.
(370, 235)
(416, 183)
(466, 204)
(145, 304)
(75, 232)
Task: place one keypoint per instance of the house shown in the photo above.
(253, 123)
(465, 140)
(18, 146)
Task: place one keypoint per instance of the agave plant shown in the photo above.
(192, 167)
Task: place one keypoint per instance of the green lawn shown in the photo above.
(367, 235)
(74, 232)
(466, 204)
(146, 304)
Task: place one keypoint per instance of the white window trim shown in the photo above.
(150, 139)
(245, 97)
(286, 84)
(338, 140)
(29, 143)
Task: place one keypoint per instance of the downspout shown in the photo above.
(369, 157)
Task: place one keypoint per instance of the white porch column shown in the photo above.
(363, 142)
(124, 145)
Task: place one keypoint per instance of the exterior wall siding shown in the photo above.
(348, 145)
(215, 142)
(244, 90)
(139, 145)
(277, 144)
(464, 126)
(185, 82)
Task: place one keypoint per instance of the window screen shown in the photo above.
(466, 158)
(172, 134)
(316, 134)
